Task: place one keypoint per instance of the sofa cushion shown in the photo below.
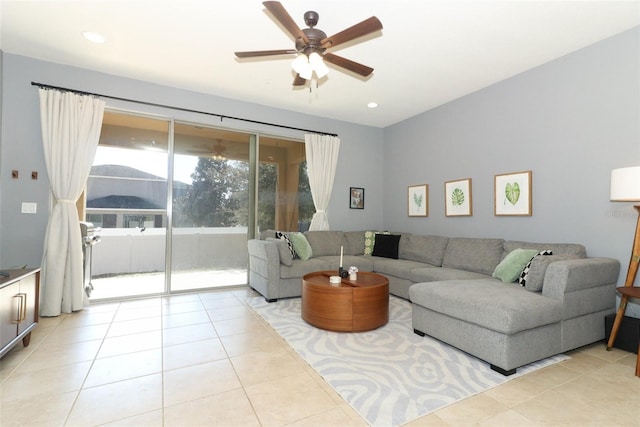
(473, 254)
(353, 242)
(299, 268)
(427, 274)
(488, 303)
(386, 245)
(401, 268)
(363, 263)
(512, 266)
(283, 250)
(429, 249)
(578, 251)
(324, 242)
(538, 269)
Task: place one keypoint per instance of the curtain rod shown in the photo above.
(188, 110)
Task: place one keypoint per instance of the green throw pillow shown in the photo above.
(301, 246)
(512, 265)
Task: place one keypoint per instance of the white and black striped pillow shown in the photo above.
(284, 236)
(522, 280)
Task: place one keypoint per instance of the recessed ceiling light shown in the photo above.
(93, 37)
(372, 105)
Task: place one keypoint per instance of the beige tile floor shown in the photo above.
(137, 285)
(206, 359)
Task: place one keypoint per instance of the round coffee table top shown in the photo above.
(365, 279)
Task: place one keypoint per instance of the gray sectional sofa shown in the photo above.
(560, 305)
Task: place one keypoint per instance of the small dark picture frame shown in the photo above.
(356, 198)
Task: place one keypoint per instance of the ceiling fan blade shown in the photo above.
(348, 64)
(253, 53)
(365, 27)
(299, 81)
(280, 13)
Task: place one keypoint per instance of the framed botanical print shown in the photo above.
(457, 198)
(512, 194)
(418, 200)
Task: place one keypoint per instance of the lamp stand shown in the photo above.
(631, 277)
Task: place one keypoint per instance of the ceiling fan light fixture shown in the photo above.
(301, 64)
(318, 65)
(314, 58)
(218, 151)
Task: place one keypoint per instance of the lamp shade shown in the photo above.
(625, 184)
(318, 65)
(301, 63)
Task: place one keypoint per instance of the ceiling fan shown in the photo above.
(312, 43)
(215, 151)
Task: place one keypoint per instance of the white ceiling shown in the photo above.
(429, 52)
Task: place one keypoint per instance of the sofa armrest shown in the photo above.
(563, 277)
(264, 267)
(584, 286)
(263, 249)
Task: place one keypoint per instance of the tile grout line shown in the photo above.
(75, 400)
(235, 371)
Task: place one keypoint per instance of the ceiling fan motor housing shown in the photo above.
(315, 36)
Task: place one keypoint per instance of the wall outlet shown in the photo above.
(29, 208)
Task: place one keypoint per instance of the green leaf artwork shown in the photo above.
(457, 197)
(417, 199)
(512, 192)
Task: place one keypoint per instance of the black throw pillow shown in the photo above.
(386, 245)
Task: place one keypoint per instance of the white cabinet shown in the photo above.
(19, 300)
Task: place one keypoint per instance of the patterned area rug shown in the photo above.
(390, 376)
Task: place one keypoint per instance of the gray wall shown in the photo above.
(22, 235)
(570, 122)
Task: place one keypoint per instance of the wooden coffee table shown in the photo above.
(353, 306)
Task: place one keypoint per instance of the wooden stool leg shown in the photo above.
(616, 323)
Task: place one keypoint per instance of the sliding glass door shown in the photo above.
(211, 206)
(126, 197)
(177, 201)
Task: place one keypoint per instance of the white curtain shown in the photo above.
(322, 159)
(70, 132)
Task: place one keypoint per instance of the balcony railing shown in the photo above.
(135, 250)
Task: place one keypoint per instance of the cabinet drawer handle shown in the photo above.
(24, 307)
(20, 308)
(17, 309)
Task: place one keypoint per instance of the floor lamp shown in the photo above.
(625, 187)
